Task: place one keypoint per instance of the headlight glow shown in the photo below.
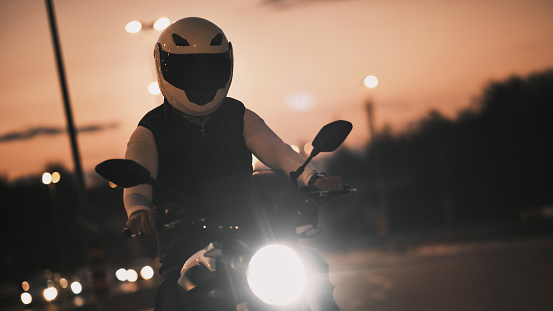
(276, 275)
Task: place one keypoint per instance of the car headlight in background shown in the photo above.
(121, 274)
(50, 293)
(129, 275)
(147, 272)
(76, 288)
(25, 285)
(26, 298)
(64, 283)
(132, 275)
(276, 275)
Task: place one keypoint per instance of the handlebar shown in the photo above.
(307, 190)
(315, 192)
(127, 233)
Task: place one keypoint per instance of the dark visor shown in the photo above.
(196, 73)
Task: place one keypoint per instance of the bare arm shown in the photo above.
(271, 150)
(137, 200)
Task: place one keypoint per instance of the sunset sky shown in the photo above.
(427, 54)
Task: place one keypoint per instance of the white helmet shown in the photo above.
(194, 65)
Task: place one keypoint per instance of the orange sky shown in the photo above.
(427, 54)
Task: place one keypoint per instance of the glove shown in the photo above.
(142, 223)
(326, 183)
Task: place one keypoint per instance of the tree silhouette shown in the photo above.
(485, 166)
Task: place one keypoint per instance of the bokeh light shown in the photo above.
(132, 275)
(301, 101)
(46, 178)
(307, 148)
(161, 23)
(63, 283)
(56, 177)
(370, 82)
(147, 272)
(50, 293)
(78, 301)
(133, 27)
(121, 274)
(153, 88)
(76, 288)
(26, 298)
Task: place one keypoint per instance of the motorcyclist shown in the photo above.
(198, 140)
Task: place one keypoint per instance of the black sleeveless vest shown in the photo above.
(203, 161)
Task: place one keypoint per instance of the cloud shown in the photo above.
(51, 131)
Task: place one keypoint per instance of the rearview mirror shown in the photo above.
(331, 136)
(124, 173)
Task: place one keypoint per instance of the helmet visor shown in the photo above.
(196, 73)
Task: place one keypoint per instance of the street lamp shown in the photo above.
(371, 82)
(153, 88)
(136, 26)
(133, 27)
(51, 178)
(158, 25)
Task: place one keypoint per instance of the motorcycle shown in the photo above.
(236, 273)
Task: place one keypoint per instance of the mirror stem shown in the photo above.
(294, 175)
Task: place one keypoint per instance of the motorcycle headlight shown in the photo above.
(276, 275)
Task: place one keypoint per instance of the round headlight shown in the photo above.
(276, 275)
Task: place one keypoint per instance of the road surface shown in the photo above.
(510, 274)
(503, 274)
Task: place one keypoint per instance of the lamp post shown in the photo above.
(157, 25)
(371, 82)
(50, 180)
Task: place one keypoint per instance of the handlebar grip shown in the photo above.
(128, 234)
(315, 192)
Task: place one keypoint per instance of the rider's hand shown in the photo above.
(329, 183)
(142, 223)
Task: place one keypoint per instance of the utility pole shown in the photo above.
(95, 252)
(382, 224)
(67, 106)
(382, 221)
